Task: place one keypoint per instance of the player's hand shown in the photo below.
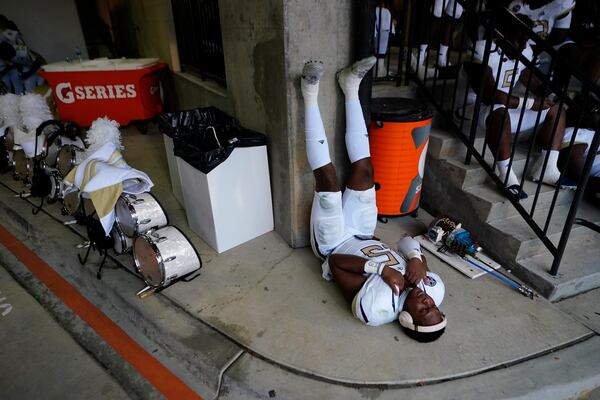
(542, 103)
(416, 270)
(394, 279)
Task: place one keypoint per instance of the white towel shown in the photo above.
(104, 176)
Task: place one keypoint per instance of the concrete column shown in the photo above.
(266, 44)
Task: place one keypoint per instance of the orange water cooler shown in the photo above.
(399, 136)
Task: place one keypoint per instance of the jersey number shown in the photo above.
(508, 77)
(541, 28)
(378, 250)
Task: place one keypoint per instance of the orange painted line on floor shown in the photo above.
(149, 367)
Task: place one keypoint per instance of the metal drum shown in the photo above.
(164, 255)
(72, 203)
(122, 243)
(69, 156)
(9, 138)
(57, 144)
(6, 156)
(56, 186)
(22, 165)
(139, 213)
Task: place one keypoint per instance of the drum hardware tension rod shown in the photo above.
(71, 222)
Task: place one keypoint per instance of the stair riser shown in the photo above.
(506, 209)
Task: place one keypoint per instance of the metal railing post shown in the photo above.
(585, 174)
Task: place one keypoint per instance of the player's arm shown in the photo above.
(416, 265)
(536, 88)
(359, 265)
(478, 73)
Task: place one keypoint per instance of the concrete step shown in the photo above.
(520, 241)
(493, 205)
(578, 270)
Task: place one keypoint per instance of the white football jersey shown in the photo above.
(555, 14)
(373, 250)
(503, 68)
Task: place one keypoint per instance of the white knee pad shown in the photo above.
(327, 220)
(360, 210)
(435, 289)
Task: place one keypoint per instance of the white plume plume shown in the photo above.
(103, 130)
(34, 111)
(9, 110)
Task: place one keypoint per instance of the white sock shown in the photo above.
(552, 173)
(443, 56)
(317, 147)
(502, 166)
(309, 84)
(422, 54)
(350, 77)
(357, 138)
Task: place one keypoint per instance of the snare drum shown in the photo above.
(139, 213)
(56, 186)
(69, 156)
(55, 147)
(72, 203)
(164, 255)
(121, 242)
(22, 165)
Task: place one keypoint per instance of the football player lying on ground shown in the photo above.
(500, 112)
(376, 280)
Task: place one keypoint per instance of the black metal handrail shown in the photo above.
(435, 89)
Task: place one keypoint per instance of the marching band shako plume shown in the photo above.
(34, 110)
(103, 130)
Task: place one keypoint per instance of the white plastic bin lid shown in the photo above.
(101, 64)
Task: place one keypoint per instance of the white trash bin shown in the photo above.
(232, 203)
(173, 170)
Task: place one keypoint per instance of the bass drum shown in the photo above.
(121, 242)
(164, 255)
(139, 213)
(69, 156)
(72, 202)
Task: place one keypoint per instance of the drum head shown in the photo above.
(146, 260)
(125, 216)
(64, 160)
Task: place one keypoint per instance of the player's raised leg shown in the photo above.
(360, 211)
(327, 221)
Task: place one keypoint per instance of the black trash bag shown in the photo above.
(182, 123)
(206, 148)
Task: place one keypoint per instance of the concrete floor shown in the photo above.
(272, 300)
(38, 359)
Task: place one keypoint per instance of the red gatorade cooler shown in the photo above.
(122, 89)
(399, 136)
